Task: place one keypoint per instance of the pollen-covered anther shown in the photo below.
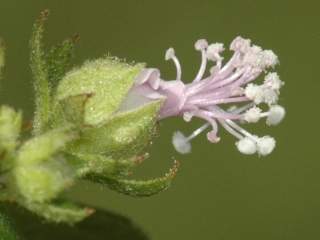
(214, 50)
(270, 96)
(252, 115)
(269, 58)
(261, 94)
(240, 44)
(187, 116)
(212, 137)
(201, 44)
(266, 145)
(247, 146)
(170, 54)
(275, 115)
(181, 143)
(254, 92)
(272, 80)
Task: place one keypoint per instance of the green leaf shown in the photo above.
(40, 76)
(6, 230)
(125, 135)
(141, 188)
(59, 59)
(107, 79)
(101, 225)
(62, 212)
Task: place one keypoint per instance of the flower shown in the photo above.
(207, 97)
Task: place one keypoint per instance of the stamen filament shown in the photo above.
(197, 132)
(243, 108)
(178, 67)
(230, 129)
(202, 67)
(208, 102)
(240, 129)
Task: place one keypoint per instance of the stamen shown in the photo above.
(212, 135)
(170, 55)
(252, 115)
(182, 143)
(207, 102)
(246, 146)
(229, 66)
(187, 116)
(272, 80)
(226, 84)
(198, 131)
(230, 129)
(275, 115)
(201, 45)
(202, 67)
(213, 53)
(265, 145)
(238, 75)
(240, 129)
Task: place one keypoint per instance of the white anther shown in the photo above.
(255, 93)
(246, 146)
(201, 44)
(214, 50)
(170, 54)
(252, 115)
(272, 80)
(265, 145)
(187, 116)
(181, 143)
(275, 115)
(270, 96)
(269, 59)
(240, 44)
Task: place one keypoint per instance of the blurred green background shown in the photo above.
(218, 193)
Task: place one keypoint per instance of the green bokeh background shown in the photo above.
(218, 193)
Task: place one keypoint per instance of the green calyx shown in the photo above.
(107, 82)
(126, 134)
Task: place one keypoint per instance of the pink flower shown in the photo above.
(209, 97)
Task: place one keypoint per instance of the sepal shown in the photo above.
(107, 79)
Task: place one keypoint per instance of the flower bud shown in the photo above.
(96, 95)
